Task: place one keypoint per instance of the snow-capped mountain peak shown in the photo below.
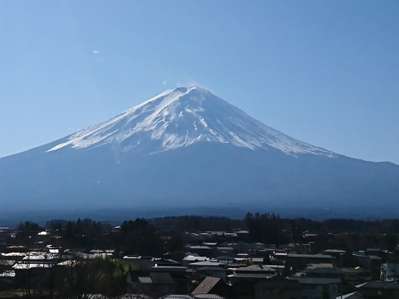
(180, 118)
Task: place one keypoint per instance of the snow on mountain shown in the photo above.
(182, 117)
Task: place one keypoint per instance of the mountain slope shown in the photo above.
(188, 148)
(183, 117)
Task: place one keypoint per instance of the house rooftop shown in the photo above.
(195, 258)
(254, 268)
(310, 256)
(206, 264)
(206, 285)
(251, 276)
(161, 278)
(317, 280)
(208, 296)
(378, 284)
(335, 251)
(169, 268)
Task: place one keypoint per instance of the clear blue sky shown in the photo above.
(325, 72)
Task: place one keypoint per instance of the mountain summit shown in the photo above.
(187, 149)
(182, 117)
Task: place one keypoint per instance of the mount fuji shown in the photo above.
(188, 148)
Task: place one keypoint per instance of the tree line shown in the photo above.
(155, 236)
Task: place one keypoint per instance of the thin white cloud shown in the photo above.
(190, 83)
(95, 52)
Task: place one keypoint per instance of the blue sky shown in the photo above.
(325, 72)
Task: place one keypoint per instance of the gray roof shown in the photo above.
(254, 268)
(340, 251)
(169, 268)
(353, 295)
(206, 285)
(161, 278)
(310, 256)
(377, 284)
(145, 279)
(208, 296)
(317, 280)
(251, 275)
(205, 264)
(177, 297)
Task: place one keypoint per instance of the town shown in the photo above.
(260, 256)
